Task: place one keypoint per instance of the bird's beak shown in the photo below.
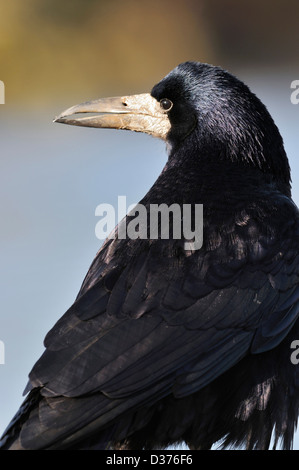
(141, 113)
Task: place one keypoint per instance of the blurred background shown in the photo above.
(54, 54)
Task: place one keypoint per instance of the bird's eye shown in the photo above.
(166, 104)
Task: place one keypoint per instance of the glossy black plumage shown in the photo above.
(163, 345)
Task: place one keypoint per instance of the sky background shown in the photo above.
(55, 54)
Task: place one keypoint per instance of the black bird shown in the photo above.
(167, 344)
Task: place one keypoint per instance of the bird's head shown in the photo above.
(204, 113)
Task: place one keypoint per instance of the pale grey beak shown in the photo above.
(141, 113)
